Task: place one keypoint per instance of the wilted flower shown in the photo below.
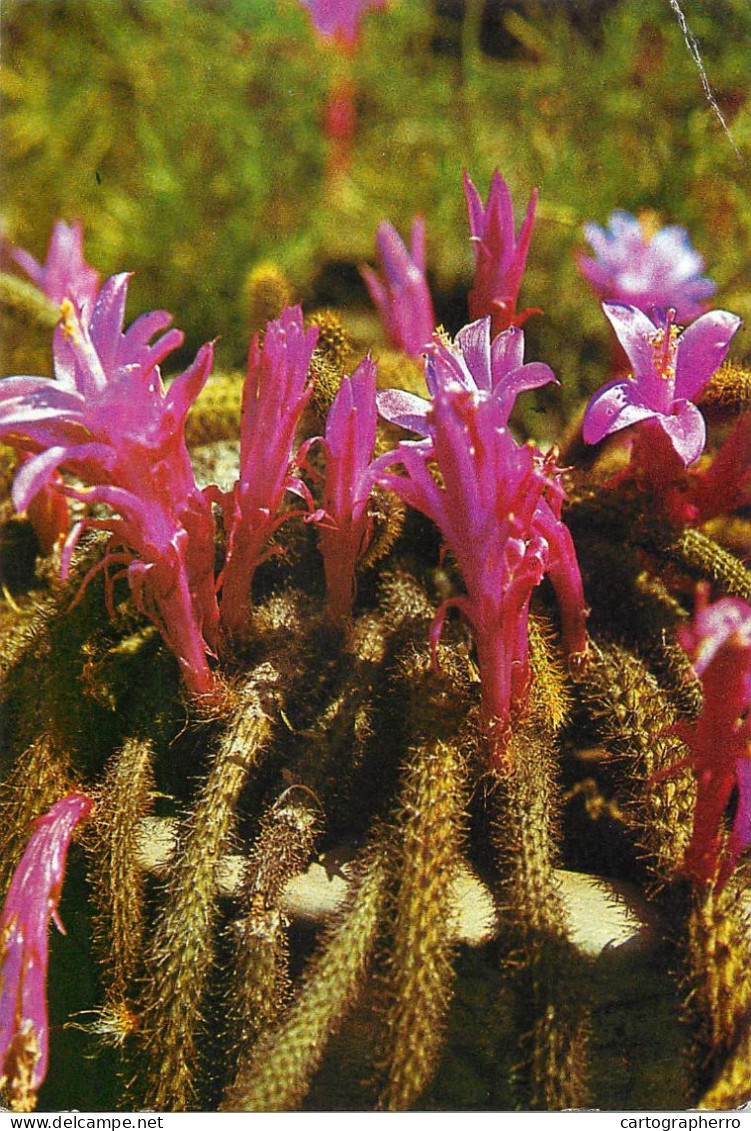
(65, 273)
(402, 296)
(349, 441)
(500, 256)
(661, 272)
(718, 641)
(475, 363)
(31, 902)
(495, 516)
(340, 19)
(670, 366)
(276, 391)
(108, 420)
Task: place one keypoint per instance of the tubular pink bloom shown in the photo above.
(500, 256)
(276, 392)
(402, 296)
(65, 274)
(718, 642)
(669, 368)
(108, 420)
(340, 19)
(475, 363)
(661, 272)
(31, 902)
(496, 519)
(349, 442)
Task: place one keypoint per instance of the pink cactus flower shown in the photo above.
(718, 641)
(349, 442)
(658, 272)
(495, 512)
(669, 366)
(31, 902)
(65, 273)
(108, 420)
(277, 389)
(402, 297)
(500, 255)
(475, 363)
(340, 19)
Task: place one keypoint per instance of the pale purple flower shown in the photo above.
(65, 273)
(108, 420)
(277, 389)
(500, 255)
(495, 512)
(339, 19)
(402, 296)
(718, 641)
(661, 272)
(31, 902)
(474, 362)
(349, 442)
(669, 367)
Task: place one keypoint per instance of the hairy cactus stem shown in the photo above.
(124, 798)
(432, 806)
(278, 1074)
(705, 559)
(634, 717)
(719, 959)
(261, 980)
(545, 968)
(182, 952)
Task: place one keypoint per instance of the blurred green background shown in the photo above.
(187, 136)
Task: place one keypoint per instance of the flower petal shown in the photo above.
(404, 409)
(635, 332)
(611, 408)
(686, 430)
(702, 348)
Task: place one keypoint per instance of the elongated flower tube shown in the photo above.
(108, 420)
(275, 394)
(31, 902)
(349, 442)
(500, 255)
(718, 641)
(401, 296)
(65, 273)
(339, 19)
(475, 362)
(660, 272)
(495, 518)
(670, 367)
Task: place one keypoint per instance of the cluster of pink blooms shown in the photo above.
(107, 432)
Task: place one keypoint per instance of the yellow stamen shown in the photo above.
(68, 322)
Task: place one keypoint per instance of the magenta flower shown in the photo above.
(340, 19)
(669, 368)
(500, 256)
(718, 642)
(276, 391)
(402, 296)
(349, 442)
(31, 902)
(474, 363)
(65, 274)
(108, 421)
(495, 512)
(661, 272)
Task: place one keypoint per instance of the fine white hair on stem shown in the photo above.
(693, 48)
